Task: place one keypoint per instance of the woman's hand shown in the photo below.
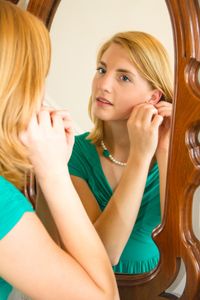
(143, 127)
(49, 140)
(165, 110)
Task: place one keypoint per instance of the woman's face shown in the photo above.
(117, 86)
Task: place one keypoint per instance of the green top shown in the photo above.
(140, 254)
(12, 207)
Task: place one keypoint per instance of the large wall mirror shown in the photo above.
(77, 31)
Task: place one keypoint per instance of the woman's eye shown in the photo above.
(101, 70)
(125, 78)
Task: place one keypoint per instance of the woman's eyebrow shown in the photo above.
(102, 63)
(126, 71)
(118, 70)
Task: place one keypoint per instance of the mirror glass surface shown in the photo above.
(77, 32)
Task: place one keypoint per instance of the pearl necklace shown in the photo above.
(106, 153)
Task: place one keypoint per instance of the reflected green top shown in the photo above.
(13, 205)
(140, 254)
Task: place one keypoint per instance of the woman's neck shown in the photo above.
(116, 138)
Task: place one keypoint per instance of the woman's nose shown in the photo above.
(106, 83)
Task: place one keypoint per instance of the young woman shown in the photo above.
(29, 258)
(120, 166)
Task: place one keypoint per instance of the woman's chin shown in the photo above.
(106, 115)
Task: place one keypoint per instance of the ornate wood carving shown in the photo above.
(14, 1)
(44, 9)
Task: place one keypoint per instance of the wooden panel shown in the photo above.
(14, 1)
(44, 9)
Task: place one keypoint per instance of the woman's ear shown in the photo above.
(155, 97)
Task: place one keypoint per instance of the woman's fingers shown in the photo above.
(44, 118)
(52, 111)
(147, 114)
(31, 129)
(63, 119)
(164, 108)
(157, 120)
(143, 113)
(57, 121)
(163, 103)
(67, 124)
(165, 112)
(56, 116)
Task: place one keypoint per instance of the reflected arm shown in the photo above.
(162, 160)
(116, 222)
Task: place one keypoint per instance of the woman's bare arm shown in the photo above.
(39, 267)
(34, 264)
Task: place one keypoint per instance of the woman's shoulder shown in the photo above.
(82, 143)
(6, 186)
(83, 156)
(82, 137)
(8, 191)
(13, 205)
(11, 197)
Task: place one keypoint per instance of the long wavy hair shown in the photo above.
(150, 59)
(24, 63)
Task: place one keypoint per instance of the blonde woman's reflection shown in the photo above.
(119, 168)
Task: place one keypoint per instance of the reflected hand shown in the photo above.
(143, 126)
(165, 110)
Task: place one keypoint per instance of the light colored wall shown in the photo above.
(79, 28)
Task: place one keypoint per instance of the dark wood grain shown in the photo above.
(44, 9)
(14, 1)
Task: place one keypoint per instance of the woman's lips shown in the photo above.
(102, 101)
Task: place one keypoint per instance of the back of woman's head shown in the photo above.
(24, 64)
(151, 60)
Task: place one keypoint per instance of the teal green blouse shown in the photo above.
(12, 207)
(140, 254)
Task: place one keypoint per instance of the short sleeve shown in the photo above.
(78, 164)
(13, 205)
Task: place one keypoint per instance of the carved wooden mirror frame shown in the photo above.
(175, 237)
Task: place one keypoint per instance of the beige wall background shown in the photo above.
(78, 29)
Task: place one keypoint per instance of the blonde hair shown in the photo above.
(151, 60)
(24, 63)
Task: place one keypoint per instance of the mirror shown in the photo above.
(77, 34)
